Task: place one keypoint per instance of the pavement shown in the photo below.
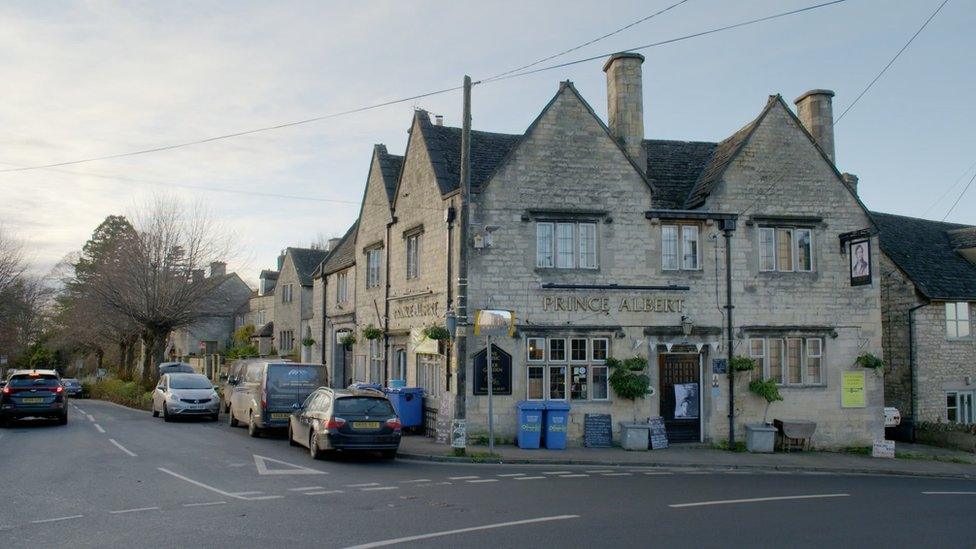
(914, 459)
(116, 477)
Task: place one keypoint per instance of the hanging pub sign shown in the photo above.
(860, 262)
(501, 373)
(494, 322)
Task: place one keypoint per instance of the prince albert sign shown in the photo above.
(501, 372)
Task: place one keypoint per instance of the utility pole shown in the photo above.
(461, 339)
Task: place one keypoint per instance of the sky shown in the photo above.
(84, 79)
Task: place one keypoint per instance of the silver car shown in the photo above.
(183, 395)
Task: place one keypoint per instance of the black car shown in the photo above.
(72, 387)
(333, 419)
(33, 393)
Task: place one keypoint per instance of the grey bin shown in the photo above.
(634, 436)
(760, 438)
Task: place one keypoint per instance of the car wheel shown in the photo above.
(233, 420)
(313, 447)
(215, 417)
(388, 454)
(252, 428)
(166, 414)
(154, 410)
(291, 436)
(63, 420)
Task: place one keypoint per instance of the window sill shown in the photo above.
(567, 270)
(802, 386)
(968, 339)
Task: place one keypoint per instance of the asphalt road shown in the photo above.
(115, 477)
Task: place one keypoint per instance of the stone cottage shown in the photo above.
(212, 332)
(293, 301)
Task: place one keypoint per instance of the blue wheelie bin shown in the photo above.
(557, 421)
(408, 403)
(530, 415)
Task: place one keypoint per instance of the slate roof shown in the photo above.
(344, 254)
(390, 165)
(269, 274)
(924, 251)
(488, 150)
(306, 260)
(673, 167)
(265, 331)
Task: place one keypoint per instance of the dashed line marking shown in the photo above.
(80, 411)
(303, 488)
(617, 474)
(579, 475)
(658, 473)
(252, 493)
(362, 485)
(556, 472)
(699, 472)
(122, 511)
(416, 480)
(597, 471)
(483, 480)
(528, 478)
(375, 488)
(42, 521)
(99, 428)
(123, 448)
(509, 475)
(949, 493)
(463, 478)
(323, 492)
(91, 418)
(204, 504)
(445, 483)
(259, 498)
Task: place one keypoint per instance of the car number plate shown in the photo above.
(36, 400)
(279, 416)
(365, 425)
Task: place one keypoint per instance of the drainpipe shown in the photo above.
(386, 305)
(911, 360)
(325, 316)
(728, 227)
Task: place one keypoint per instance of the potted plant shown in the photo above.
(761, 437)
(628, 380)
(308, 342)
(372, 332)
(348, 340)
(742, 364)
(867, 360)
(438, 333)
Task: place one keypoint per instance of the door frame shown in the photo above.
(701, 383)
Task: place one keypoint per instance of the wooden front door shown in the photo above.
(680, 396)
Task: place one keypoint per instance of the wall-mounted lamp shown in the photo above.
(450, 322)
(687, 326)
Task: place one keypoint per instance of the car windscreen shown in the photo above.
(71, 382)
(189, 382)
(33, 381)
(363, 405)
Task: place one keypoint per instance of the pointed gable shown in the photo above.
(389, 166)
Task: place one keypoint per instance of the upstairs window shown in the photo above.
(680, 248)
(342, 287)
(413, 256)
(373, 268)
(287, 293)
(785, 249)
(957, 320)
(566, 245)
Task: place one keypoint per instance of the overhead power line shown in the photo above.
(949, 190)
(411, 98)
(892, 62)
(958, 198)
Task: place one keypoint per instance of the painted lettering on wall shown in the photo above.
(596, 304)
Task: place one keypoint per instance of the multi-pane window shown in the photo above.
(785, 249)
(959, 407)
(413, 256)
(287, 292)
(789, 361)
(957, 320)
(286, 340)
(375, 361)
(555, 371)
(566, 245)
(680, 247)
(342, 287)
(373, 268)
(400, 364)
(429, 373)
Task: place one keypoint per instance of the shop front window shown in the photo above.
(578, 373)
(557, 383)
(536, 383)
(580, 383)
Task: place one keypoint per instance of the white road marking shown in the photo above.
(80, 411)
(949, 493)
(55, 519)
(251, 493)
(259, 498)
(556, 472)
(756, 500)
(212, 489)
(204, 504)
(261, 463)
(99, 428)
(657, 473)
(617, 474)
(133, 510)
(416, 480)
(395, 541)
(484, 480)
(528, 478)
(91, 418)
(463, 478)
(513, 475)
(323, 492)
(380, 488)
(362, 485)
(303, 488)
(445, 483)
(595, 471)
(580, 475)
(123, 448)
(698, 473)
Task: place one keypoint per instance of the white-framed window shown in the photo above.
(557, 382)
(287, 292)
(429, 373)
(600, 348)
(375, 361)
(578, 349)
(957, 320)
(566, 245)
(557, 350)
(774, 360)
(342, 287)
(600, 377)
(400, 364)
(413, 256)
(680, 247)
(536, 349)
(797, 361)
(536, 383)
(286, 340)
(757, 352)
(959, 407)
(786, 249)
(373, 261)
(579, 382)
(814, 365)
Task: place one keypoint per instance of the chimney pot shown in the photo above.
(816, 111)
(625, 103)
(851, 181)
(438, 120)
(333, 243)
(197, 275)
(218, 268)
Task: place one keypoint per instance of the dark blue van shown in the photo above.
(266, 391)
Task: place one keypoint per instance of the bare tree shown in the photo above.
(11, 260)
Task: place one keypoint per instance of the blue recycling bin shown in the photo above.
(557, 422)
(530, 414)
(408, 403)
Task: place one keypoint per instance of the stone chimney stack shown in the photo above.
(625, 103)
(815, 109)
(851, 181)
(197, 275)
(217, 268)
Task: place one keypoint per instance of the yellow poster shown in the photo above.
(852, 394)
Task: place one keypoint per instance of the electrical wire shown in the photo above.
(892, 62)
(958, 198)
(949, 190)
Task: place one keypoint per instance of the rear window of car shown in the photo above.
(291, 378)
(33, 381)
(363, 405)
(189, 382)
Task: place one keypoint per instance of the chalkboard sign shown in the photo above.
(597, 431)
(444, 416)
(659, 435)
(501, 373)
(720, 365)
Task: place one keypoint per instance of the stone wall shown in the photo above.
(288, 316)
(941, 364)
(340, 317)
(898, 296)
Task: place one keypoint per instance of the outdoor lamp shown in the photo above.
(450, 322)
(687, 325)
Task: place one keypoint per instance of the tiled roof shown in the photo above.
(390, 165)
(344, 254)
(269, 274)
(673, 167)
(444, 145)
(265, 331)
(306, 260)
(924, 251)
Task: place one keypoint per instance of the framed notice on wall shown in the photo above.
(860, 262)
(852, 392)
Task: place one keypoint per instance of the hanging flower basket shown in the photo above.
(348, 340)
(867, 360)
(372, 332)
(743, 364)
(438, 333)
(308, 342)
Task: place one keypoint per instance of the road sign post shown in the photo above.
(489, 322)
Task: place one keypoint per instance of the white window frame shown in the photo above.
(796, 250)
(586, 254)
(547, 364)
(676, 256)
(807, 355)
(965, 413)
(586, 350)
(287, 293)
(549, 357)
(413, 256)
(685, 230)
(792, 246)
(760, 356)
(549, 368)
(682, 243)
(545, 376)
(373, 259)
(429, 370)
(545, 252)
(593, 359)
(782, 359)
(528, 349)
(593, 367)
(375, 361)
(561, 253)
(764, 255)
(772, 232)
(342, 287)
(574, 254)
(957, 319)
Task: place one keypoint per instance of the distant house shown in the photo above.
(213, 332)
(928, 299)
(293, 301)
(335, 313)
